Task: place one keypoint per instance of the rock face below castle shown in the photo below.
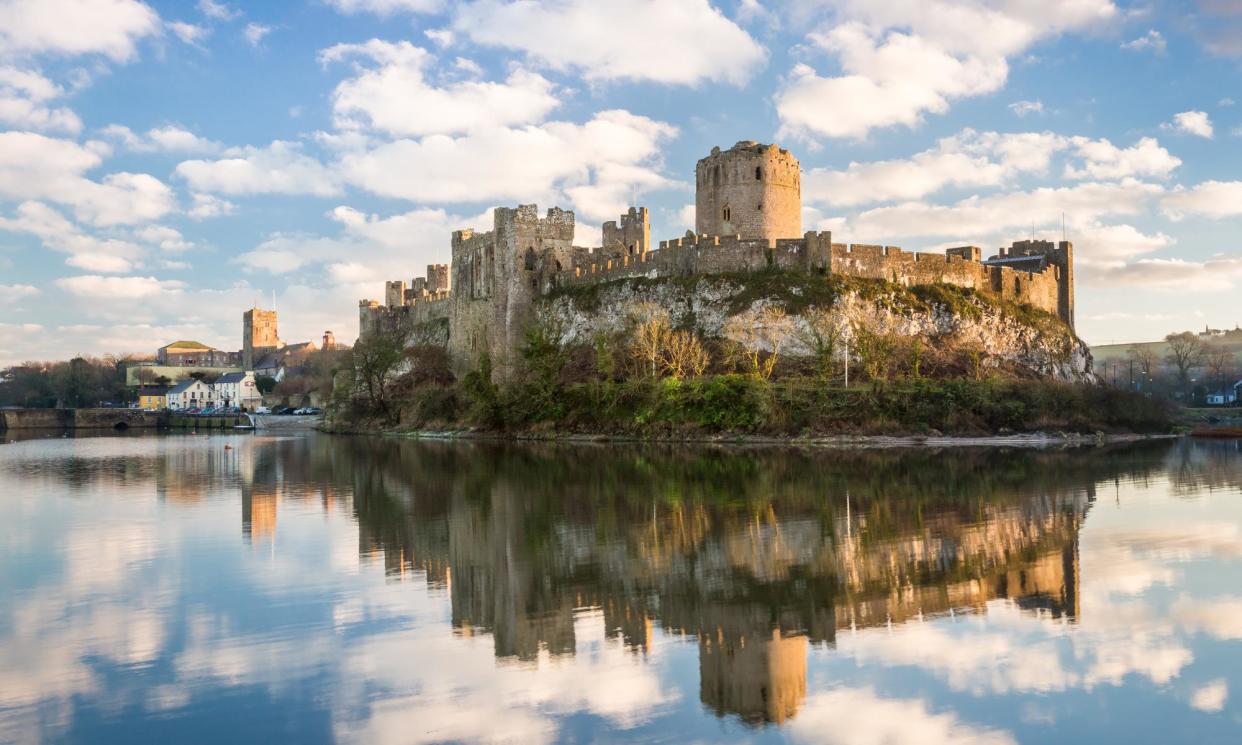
(1045, 349)
(748, 205)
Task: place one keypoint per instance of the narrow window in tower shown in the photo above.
(758, 173)
(725, 214)
(530, 258)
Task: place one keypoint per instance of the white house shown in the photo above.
(237, 389)
(189, 394)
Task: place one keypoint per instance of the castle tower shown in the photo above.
(437, 278)
(496, 277)
(750, 190)
(631, 236)
(329, 340)
(760, 679)
(394, 293)
(259, 337)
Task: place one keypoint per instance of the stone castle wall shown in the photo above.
(816, 252)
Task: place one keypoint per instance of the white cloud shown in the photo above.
(1022, 108)
(859, 716)
(598, 165)
(279, 168)
(987, 215)
(24, 97)
(1225, 102)
(967, 159)
(901, 60)
(10, 294)
(254, 33)
(217, 10)
(1215, 199)
(58, 234)
(118, 288)
(1152, 41)
(1211, 697)
(166, 238)
(385, 7)
(396, 97)
(206, 205)
(1176, 275)
(889, 81)
(1196, 123)
(684, 42)
(167, 139)
(441, 37)
(36, 167)
(188, 32)
(70, 27)
(1102, 159)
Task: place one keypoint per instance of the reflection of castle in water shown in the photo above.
(755, 582)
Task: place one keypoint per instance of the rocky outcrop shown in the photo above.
(1009, 336)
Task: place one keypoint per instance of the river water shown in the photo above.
(189, 589)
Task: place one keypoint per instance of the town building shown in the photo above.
(153, 397)
(194, 354)
(189, 394)
(237, 389)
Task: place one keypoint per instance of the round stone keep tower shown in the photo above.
(751, 190)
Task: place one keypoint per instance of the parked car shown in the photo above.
(314, 411)
(263, 410)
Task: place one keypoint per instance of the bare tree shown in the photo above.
(684, 356)
(651, 330)
(1186, 354)
(1144, 359)
(761, 337)
(1220, 365)
(823, 333)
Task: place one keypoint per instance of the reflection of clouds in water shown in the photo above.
(1011, 651)
(1220, 618)
(439, 687)
(1183, 541)
(1211, 697)
(217, 653)
(857, 716)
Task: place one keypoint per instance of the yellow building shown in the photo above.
(154, 397)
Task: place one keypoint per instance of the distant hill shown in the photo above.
(1214, 338)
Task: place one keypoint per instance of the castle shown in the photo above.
(747, 218)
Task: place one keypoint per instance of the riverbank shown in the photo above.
(735, 407)
(851, 442)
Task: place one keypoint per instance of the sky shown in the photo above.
(166, 165)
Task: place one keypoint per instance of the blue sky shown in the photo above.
(164, 165)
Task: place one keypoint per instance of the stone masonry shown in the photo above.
(748, 219)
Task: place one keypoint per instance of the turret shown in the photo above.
(750, 190)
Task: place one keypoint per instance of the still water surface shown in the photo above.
(315, 589)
